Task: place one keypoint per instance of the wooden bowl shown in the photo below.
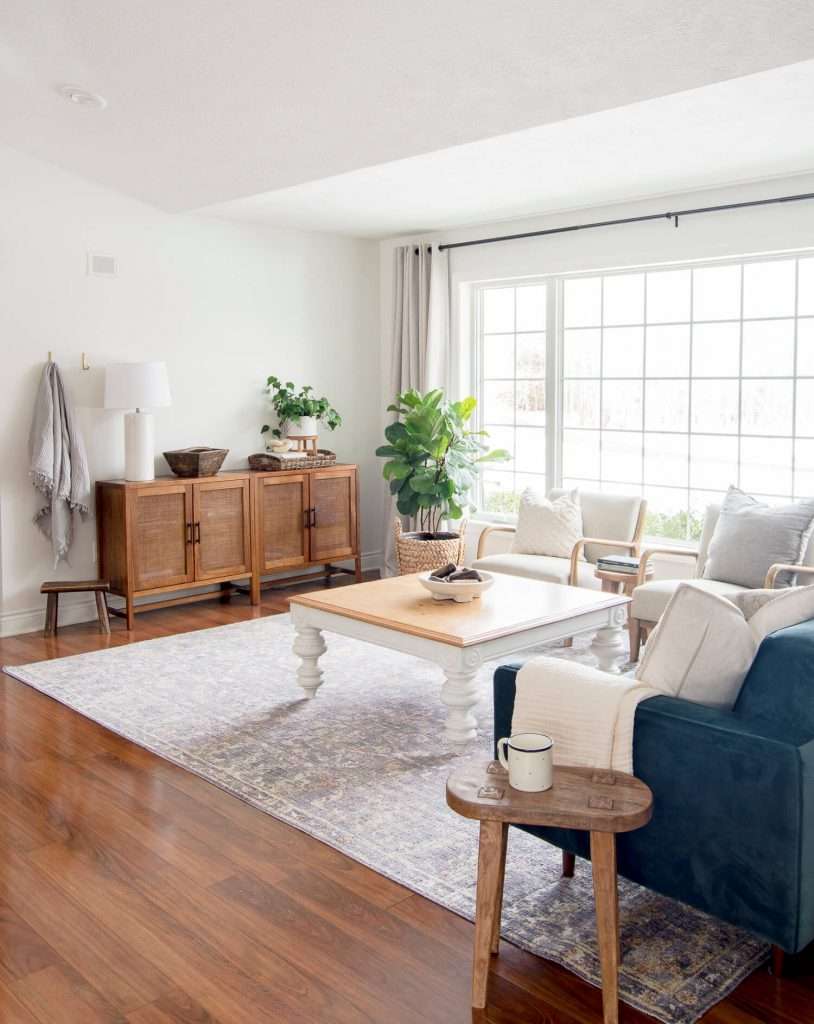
(461, 591)
(196, 461)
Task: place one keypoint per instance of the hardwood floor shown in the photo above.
(134, 892)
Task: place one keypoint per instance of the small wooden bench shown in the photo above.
(54, 588)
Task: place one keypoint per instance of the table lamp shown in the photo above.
(137, 386)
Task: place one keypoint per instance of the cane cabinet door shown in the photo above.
(333, 514)
(161, 523)
(222, 529)
(282, 517)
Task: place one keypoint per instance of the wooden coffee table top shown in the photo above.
(510, 606)
(581, 798)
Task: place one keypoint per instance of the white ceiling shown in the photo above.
(210, 100)
(750, 128)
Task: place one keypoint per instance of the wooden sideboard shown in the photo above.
(175, 535)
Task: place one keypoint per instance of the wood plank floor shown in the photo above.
(134, 892)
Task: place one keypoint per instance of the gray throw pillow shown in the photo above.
(751, 536)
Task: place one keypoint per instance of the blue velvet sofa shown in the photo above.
(732, 831)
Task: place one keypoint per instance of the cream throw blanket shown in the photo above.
(59, 465)
(588, 714)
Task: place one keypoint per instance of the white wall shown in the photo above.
(706, 236)
(223, 304)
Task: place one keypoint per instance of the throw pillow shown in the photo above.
(784, 608)
(547, 527)
(751, 536)
(701, 649)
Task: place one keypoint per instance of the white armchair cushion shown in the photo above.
(650, 599)
(546, 527)
(539, 567)
(701, 649)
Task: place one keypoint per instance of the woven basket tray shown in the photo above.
(268, 461)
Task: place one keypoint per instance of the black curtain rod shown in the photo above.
(674, 216)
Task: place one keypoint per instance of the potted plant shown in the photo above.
(433, 460)
(299, 407)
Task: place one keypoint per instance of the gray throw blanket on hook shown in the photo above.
(59, 465)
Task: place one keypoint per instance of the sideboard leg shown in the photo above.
(131, 613)
(254, 589)
(778, 961)
(358, 565)
(568, 864)
(606, 898)
(309, 646)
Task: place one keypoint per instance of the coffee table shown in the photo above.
(600, 802)
(397, 613)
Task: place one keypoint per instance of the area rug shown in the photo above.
(224, 703)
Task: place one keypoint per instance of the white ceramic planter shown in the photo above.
(307, 427)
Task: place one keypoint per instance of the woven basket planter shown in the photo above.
(423, 552)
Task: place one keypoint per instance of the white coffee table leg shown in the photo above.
(608, 644)
(461, 696)
(309, 646)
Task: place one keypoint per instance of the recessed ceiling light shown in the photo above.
(81, 97)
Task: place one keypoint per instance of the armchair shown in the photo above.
(651, 598)
(732, 831)
(611, 522)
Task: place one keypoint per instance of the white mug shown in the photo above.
(529, 761)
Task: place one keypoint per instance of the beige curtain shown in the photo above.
(421, 341)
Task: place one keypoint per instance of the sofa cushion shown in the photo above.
(701, 649)
(750, 536)
(650, 599)
(546, 527)
(539, 567)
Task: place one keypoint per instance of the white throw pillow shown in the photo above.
(547, 527)
(701, 649)
(784, 608)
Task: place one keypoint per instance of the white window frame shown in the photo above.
(555, 356)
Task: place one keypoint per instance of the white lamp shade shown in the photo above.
(137, 386)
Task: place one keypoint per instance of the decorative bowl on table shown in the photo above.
(461, 591)
(196, 461)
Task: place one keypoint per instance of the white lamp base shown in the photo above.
(139, 446)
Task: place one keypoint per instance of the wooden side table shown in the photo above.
(620, 582)
(53, 588)
(600, 802)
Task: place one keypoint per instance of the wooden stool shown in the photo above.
(600, 802)
(56, 587)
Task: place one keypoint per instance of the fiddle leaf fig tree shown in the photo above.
(433, 458)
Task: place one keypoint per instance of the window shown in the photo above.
(513, 406)
(674, 383)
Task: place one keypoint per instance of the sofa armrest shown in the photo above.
(485, 533)
(778, 567)
(648, 553)
(576, 552)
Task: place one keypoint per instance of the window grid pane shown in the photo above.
(674, 384)
(512, 391)
(721, 405)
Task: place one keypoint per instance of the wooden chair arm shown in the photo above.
(623, 545)
(649, 552)
(778, 567)
(492, 529)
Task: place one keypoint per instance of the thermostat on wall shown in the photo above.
(101, 265)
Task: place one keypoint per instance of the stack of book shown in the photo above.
(618, 563)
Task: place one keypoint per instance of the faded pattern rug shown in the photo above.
(224, 703)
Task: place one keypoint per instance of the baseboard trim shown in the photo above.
(32, 620)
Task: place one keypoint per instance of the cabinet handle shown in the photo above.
(313, 517)
(189, 533)
(306, 518)
(197, 533)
